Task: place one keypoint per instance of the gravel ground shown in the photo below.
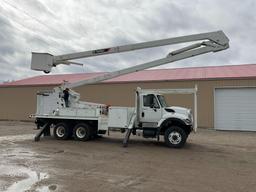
(210, 161)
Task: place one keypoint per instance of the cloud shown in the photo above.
(61, 27)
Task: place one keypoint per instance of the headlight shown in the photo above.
(190, 114)
(188, 121)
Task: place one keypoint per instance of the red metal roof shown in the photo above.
(192, 73)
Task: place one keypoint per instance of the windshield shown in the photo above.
(162, 100)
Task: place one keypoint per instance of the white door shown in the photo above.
(235, 109)
(151, 110)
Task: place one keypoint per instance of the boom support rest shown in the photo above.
(44, 129)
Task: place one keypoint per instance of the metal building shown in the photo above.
(226, 94)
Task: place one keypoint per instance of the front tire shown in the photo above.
(61, 131)
(175, 137)
(82, 132)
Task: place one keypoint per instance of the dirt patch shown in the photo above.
(211, 161)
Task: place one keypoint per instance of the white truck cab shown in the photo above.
(157, 118)
(154, 109)
(152, 117)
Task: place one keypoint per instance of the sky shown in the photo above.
(60, 27)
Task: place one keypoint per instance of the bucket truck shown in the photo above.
(151, 117)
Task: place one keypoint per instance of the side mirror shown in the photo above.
(152, 106)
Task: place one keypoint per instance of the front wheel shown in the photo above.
(175, 137)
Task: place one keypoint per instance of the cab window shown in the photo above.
(150, 101)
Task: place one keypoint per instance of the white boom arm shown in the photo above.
(211, 42)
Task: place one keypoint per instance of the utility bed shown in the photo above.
(120, 117)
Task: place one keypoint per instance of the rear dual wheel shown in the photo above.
(82, 132)
(61, 131)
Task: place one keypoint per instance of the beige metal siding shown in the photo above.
(16, 103)
(123, 94)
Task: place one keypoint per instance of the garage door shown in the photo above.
(235, 109)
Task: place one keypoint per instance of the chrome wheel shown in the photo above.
(175, 137)
(60, 132)
(80, 132)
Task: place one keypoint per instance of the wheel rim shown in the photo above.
(174, 137)
(60, 132)
(80, 132)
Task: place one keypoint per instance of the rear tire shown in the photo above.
(82, 132)
(175, 137)
(61, 131)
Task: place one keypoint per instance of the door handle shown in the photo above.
(142, 114)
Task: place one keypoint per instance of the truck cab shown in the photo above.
(156, 118)
(154, 109)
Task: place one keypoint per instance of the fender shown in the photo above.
(162, 122)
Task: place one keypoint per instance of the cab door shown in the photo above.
(151, 111)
